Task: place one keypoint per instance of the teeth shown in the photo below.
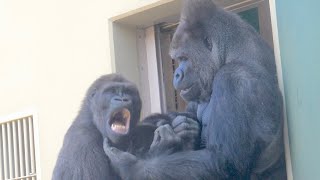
(120, 121)
(186, 90)
(118, 128)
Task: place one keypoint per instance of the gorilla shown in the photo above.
(111, 110)
(229, 72)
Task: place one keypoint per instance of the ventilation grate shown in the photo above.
(17, 149)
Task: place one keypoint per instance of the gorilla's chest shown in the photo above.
(202, 116)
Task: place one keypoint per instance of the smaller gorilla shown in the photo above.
(111, 110)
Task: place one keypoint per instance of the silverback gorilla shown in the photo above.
(111, 110)
(229, 71)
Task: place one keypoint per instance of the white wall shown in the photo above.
(50, 52)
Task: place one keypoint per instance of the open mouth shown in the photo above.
(185, 91)
(120, 121)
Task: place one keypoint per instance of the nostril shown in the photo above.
(125, 99)
(120, 99)
(117, 99)
(178, 75)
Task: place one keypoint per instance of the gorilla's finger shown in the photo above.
(108, 149)
(187, 134)
(178, 120)
(156, 138)
(161, 122)
(166, 132)
(181, 127)
(192, 122)
(181, 119)
(187, 126)
(106, 143)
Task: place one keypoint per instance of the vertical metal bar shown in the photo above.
(32, 151)
(16, 148)
(10, 150)
(5, 151)
(21, 148)
(1, 155)
(26, 145)
(36, 145)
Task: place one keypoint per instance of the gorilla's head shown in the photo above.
(115, 105)
(196, 46)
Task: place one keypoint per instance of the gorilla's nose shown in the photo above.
(178, 75)
(178, 78)
(120, 99)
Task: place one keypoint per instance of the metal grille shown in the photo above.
(17, 149)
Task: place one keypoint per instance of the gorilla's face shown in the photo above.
(197, 59)
(116, 109)
(186, 79)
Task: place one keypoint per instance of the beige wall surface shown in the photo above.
(50, 52)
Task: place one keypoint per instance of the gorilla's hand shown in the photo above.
(120, 160)
(188, 130)
(165, 140)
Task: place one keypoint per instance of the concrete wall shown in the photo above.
(299, 35)
(50, 52)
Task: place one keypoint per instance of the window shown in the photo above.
(19, 148)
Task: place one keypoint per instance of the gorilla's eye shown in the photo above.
(112, 90)
(92, 94)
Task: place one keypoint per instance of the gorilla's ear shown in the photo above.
(195, 12)
(91, 94)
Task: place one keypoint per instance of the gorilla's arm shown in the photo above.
(180, 165)
(239, 106)
(80, 156)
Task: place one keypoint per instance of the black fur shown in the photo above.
(82, 155)
(229, 71)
